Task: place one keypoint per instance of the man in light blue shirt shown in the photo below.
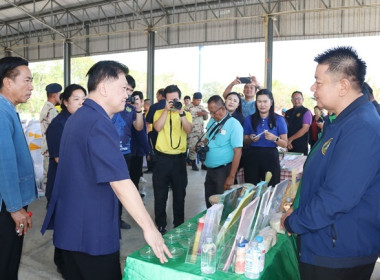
(224, 139)
(17, 182)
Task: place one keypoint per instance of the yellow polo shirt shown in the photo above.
(172, 139)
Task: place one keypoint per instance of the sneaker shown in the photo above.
(162, 230)
(124, 225)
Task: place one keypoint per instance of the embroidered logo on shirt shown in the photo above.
(298, 115)
(326, 145)
(128, 109)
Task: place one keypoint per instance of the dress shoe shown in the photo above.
(162, 230)
(124, 225)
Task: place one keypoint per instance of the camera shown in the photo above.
(202, 150)
(245, 80)
(131, 99)
(177, 104)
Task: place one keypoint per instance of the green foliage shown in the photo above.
(210, 89)
(47, 72)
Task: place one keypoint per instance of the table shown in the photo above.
(281, 263)
(290, 162)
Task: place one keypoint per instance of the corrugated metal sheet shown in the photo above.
(37, 29)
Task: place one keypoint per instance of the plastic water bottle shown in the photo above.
(255, 258)
(208, 257)
(261, 248)
(240, 258)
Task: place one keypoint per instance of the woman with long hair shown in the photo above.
(263, 132)
(233, 106)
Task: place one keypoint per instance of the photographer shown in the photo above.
(224, 139)
(250, 88)
(172, 124)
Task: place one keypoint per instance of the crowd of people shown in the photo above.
(95, 147)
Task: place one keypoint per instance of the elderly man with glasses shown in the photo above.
(224, 139)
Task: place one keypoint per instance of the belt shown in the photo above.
(182, 155)
(220, 166)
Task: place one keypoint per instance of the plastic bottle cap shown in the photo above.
(259, 239)
(241, 244)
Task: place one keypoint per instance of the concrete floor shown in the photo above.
(37, 258)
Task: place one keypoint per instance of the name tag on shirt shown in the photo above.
(223, 132)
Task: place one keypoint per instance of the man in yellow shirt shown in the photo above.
(172, 124)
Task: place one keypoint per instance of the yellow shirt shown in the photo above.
(172, 139)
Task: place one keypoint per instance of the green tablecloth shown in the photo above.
(280, 263)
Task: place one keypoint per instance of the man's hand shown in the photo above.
(156, 242)
(229, 182)
(22, 221)
(284, 216)
(290, 146)
(255, 82)
(138, 103)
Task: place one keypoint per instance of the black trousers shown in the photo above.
(10, 246)
(313, 272)
(170, 170)
(259, 160)
(81, 266)
(215, 179)
(135, 170)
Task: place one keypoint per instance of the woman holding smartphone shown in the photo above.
(263, 132)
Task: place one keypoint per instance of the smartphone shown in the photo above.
(245, 80)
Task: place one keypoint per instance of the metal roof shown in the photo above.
(36, 29)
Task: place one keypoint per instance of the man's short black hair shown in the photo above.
(186, 97)
(104, 70)
(131, 81)
(139, 94)
(346, 62)
(216, 99)
(8, 67)
(170, 89)
(297, 91)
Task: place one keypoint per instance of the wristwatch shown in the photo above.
(278, 138)
(183, 114)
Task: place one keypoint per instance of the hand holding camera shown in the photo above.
(174, 104)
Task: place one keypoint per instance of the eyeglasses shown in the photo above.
(297, 99)
(213, 113)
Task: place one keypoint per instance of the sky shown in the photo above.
(293, 61)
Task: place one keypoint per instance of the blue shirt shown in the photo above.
(17, 182)
(123, 122)
(222, 147)
(53, 140)
(83, 210)
(278, 130)
(139, 141)
(248, 107)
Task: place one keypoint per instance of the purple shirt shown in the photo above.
(307, 118)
